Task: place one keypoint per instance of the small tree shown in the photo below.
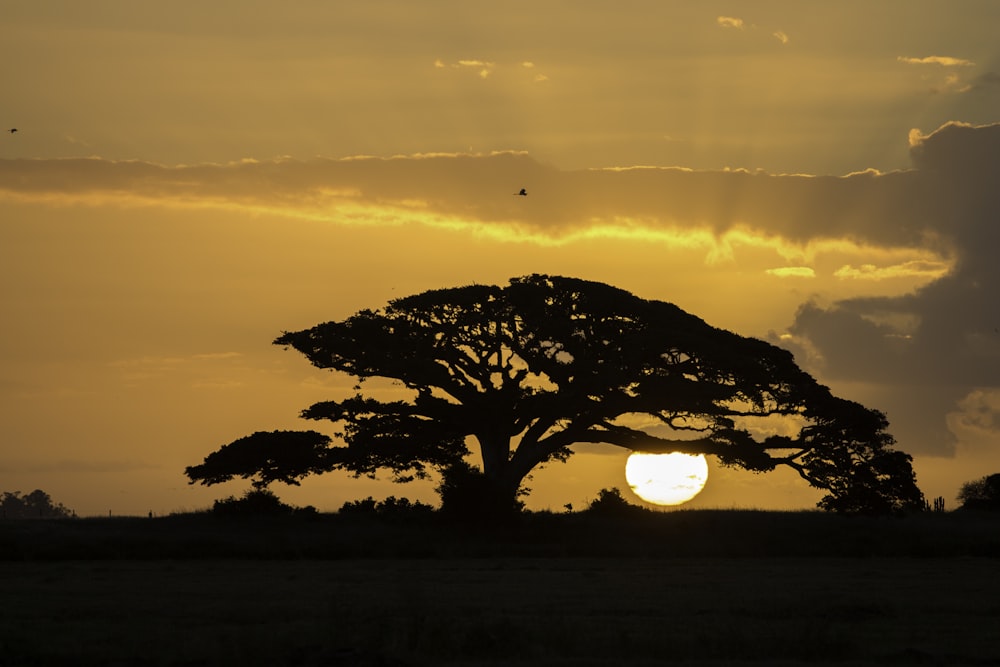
(523, 372)
(981, 494)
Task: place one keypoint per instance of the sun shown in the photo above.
(666, 479)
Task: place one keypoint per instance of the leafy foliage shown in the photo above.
(524, 371)
(266, 456)
(35, 505)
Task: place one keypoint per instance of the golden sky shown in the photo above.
(190, 179)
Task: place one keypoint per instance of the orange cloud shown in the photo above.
(485, 67)
(922, 268)
(792, 272)
(944, 61)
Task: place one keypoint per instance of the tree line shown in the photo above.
(34, 505)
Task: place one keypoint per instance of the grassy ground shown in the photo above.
(502, 612)
(697, 533)
(698, 588)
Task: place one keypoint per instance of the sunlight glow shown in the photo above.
(666, 479)
(914, 268)
(792, 272)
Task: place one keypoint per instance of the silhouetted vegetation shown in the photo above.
(257, 502)
(981, 494)
(938, 505)
(390, 507)
(529, 369)
(35, 505)
(265, 457)
(610, 502)
(399, 528)
(468, 495)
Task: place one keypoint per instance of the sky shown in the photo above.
(189, 180)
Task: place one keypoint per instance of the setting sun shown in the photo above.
(666, 479)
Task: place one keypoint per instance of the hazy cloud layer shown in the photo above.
(922, 352)
(933, 206)
(945, 61)
(942, 205)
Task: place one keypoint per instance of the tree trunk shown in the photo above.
(484, 497)
(495, 451)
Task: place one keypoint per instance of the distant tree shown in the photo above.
(527, 370)
(981, 494)
(35, 505)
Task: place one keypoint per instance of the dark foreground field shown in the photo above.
(713, 588)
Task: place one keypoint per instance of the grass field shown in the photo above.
(545, 596)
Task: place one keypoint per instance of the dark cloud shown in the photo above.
(952, 346)
(957, 152)
(989, 81)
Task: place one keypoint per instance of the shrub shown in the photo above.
(469, 495)
(255, 502)
(611, 502)
(391, 506)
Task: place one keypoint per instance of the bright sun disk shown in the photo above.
(666, 479)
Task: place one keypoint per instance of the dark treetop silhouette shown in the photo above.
(981, 494)
(527, 370)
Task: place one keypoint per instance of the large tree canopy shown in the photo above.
(525, 371)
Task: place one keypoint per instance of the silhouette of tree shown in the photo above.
(981, 494)
(35, 505)
(524, 371)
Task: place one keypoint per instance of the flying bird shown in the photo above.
(522, 193)
(12, 130)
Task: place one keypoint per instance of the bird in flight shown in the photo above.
(12, 130)
(522, 193)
